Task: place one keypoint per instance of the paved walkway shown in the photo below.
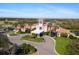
(74, 35)
(46, 48)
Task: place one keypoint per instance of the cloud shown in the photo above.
(47, 11)
(62, 12)
(7, 11)
(11, 13)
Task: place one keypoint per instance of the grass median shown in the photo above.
(33, 39)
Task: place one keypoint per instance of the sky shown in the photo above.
(39, 10)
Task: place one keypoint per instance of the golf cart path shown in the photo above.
(46, 48)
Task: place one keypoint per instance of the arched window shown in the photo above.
(40, 28)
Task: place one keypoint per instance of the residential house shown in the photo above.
(23, 28)
(62, 30)
(43, 26)
(36, 28)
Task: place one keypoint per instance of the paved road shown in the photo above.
(46, 48)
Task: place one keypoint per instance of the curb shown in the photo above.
(55, 46)
(32, 42)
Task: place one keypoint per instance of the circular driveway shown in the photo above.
(45, 48)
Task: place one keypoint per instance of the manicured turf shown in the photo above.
(61, 44)
(36, 39)
(13, 34)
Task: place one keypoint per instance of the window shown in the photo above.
(34, 29)
(40, 28)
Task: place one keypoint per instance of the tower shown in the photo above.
(40, 21)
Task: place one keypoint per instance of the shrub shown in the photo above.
(4, 41)
(25, 49)
(63, 34)
(73, 47)
(28, 31)
(53, 34)
(33, 35)
(21, 32)
(72, 37)
(46, 33)
(4, 45)
(41, 34)
(33, 38)
(4, 52)
(13, 34)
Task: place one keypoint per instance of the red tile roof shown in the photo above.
(61, 30)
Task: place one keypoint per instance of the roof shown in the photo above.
(23, 27)
(37, 31)
(62, 30)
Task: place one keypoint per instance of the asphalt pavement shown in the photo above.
(45, 48)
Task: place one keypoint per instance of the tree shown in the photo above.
(25, 49)
(73, 47)
(4, 45)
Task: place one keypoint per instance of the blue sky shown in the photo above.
(39, 10)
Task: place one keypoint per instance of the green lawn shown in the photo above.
(34, 39)
(13, 34)
(61, 44)
(21, 32)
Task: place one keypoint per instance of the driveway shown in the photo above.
(46, 48)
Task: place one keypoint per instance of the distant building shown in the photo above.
(36, 28)
(39, 28)
(62, 30)
(22, 28)
(43, 26)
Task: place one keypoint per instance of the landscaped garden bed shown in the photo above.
(19, 32)
(25, 49)
(13, 34)
(33, 38)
